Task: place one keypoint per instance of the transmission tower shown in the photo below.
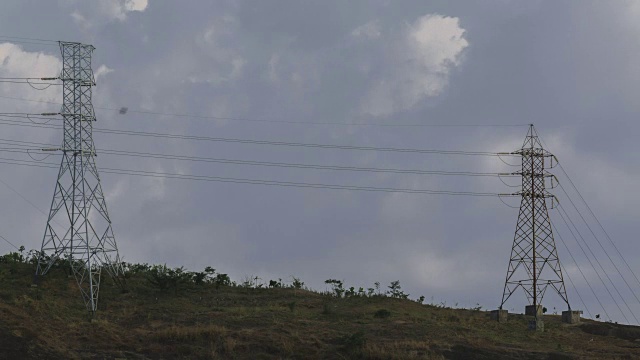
(78, 227)
(534, 265)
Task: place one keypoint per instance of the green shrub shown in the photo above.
(395, 290)
(382, 314)
(296, 283)
(336, 287)
(354, 343)
(165, 278)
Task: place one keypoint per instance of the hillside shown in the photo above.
(168, 314)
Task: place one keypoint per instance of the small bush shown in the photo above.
(296, 283)
(395, 290)
(382, 314)
(198, 277)
(165, 278)
(292, 306)
(355, 342)
(328, 308)
(336, 287)
(453, 318)
(221, 280)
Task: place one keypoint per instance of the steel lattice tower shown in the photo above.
(534, 265)
(85, 236)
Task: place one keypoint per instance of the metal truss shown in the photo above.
(534, 265)
(78, 227)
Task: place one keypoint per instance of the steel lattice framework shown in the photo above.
(84, 236)
(534, 265)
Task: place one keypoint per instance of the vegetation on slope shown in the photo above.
(169, 313)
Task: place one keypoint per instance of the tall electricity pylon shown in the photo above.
(534, 265)
(84, 236)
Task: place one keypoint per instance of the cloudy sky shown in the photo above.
(347, 73)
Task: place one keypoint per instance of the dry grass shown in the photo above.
(203, 322)
(191, 333)
(401, 350)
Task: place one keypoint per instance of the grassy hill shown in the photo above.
(173, 314)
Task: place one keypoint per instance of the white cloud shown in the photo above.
(419, 68)
(215, 42)
(19, 63)
(370, 30)
(80, 20)
(102, 71)
(118, 9)
(136, 5)
(102, 11)
(273, 68)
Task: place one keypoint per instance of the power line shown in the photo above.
(29, 100)
(30, 124)
(9, 242)
(48, 78)
(286, 165)
(26, 42)
(564, 271)
(561, 208)
(555, 229)
(206, 117)
(27, 39)
(31, 83)
(302, 166)
(23, 197)
(262, 181)
(598, 222)
(203, 117)
(265, 163)
(25, 82)
(597, 262)
(265, 142)
(32, 115)
(293, 144)
(600, 244)
(590, 263)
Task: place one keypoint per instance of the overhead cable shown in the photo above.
(264, 142)
(599, 223)
(261, 181)
(206, 117)
(568, 220)
(555, 229)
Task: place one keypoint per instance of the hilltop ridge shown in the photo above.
(173, 314)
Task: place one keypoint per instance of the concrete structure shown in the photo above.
(499, 315)
(536, 325)
(571, 316)
(530, 310)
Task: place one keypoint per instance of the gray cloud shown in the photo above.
(570, 69)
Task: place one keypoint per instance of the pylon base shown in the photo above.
(530, 310)
(536, 325)
(499, 315)
(571, 316)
